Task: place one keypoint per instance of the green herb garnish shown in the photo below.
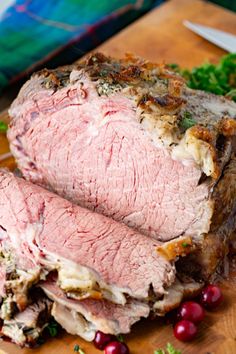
(159, 351)
(77, 349)
(185, 244)
(187, 121)
(169, 350)
(120, 338)
(53, 328)
(219, 79)
(3, 127)
(174, 67)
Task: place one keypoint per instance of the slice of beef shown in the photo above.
(127, 139)
(100, 273)
(93, 255)
(85, 317)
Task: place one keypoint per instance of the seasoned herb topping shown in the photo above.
(187, 121)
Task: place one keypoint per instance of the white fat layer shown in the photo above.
(76, 278)
(190, 149)
(15, 331)
(6, 308)
(218, 107)
(28, 241)
(72, 277)
(171, 299)
(162, 129)
(175, 295)
(73, 322)
(88, 323)
(12, 331)
(202, 223)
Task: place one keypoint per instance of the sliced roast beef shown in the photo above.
(127, 139)
(100, 255)
(99, 272)
(93, 255)
(85, 317)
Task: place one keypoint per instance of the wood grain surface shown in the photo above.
(160, 36)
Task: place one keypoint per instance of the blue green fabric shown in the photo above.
(31, 31)
(229, 4)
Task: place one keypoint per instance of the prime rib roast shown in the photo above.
(126, 139)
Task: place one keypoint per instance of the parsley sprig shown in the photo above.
(120, 338)
(77, 349)
(3, 127)
(169, 350)
(53, 328)
(185, 244)
(219, 79)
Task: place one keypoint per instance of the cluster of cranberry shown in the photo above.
(190, 313)
(109, 344)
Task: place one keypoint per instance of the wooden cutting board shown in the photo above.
(160, 36)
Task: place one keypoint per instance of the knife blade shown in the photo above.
(224, 40)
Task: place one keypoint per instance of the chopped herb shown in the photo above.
(185, 244)
(187, 121)
(3, 127)
(174, 67)
(120, 338)
(53, 328)
(219, 79)
(77, 349)
(159, 351)
(169, 350)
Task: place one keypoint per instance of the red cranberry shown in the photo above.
(211, 297)
(116, 348)
(191, 311)
(102, 339)
(185, 330)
